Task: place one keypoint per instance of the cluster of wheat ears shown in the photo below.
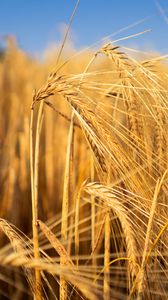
(91, 151)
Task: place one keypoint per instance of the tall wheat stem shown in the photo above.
(65, 204)
(34, 166)
(107, 249)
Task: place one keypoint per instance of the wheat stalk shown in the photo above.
(34, 164)
(112, 202)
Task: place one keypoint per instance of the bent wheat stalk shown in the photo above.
(18, 244)
(109, 199)
(56, 244)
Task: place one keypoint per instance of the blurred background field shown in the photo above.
(102, 186)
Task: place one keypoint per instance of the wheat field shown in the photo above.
(83, 177)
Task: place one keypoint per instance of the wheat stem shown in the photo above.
(34, 156)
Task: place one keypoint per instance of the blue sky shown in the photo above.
(36, 23)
